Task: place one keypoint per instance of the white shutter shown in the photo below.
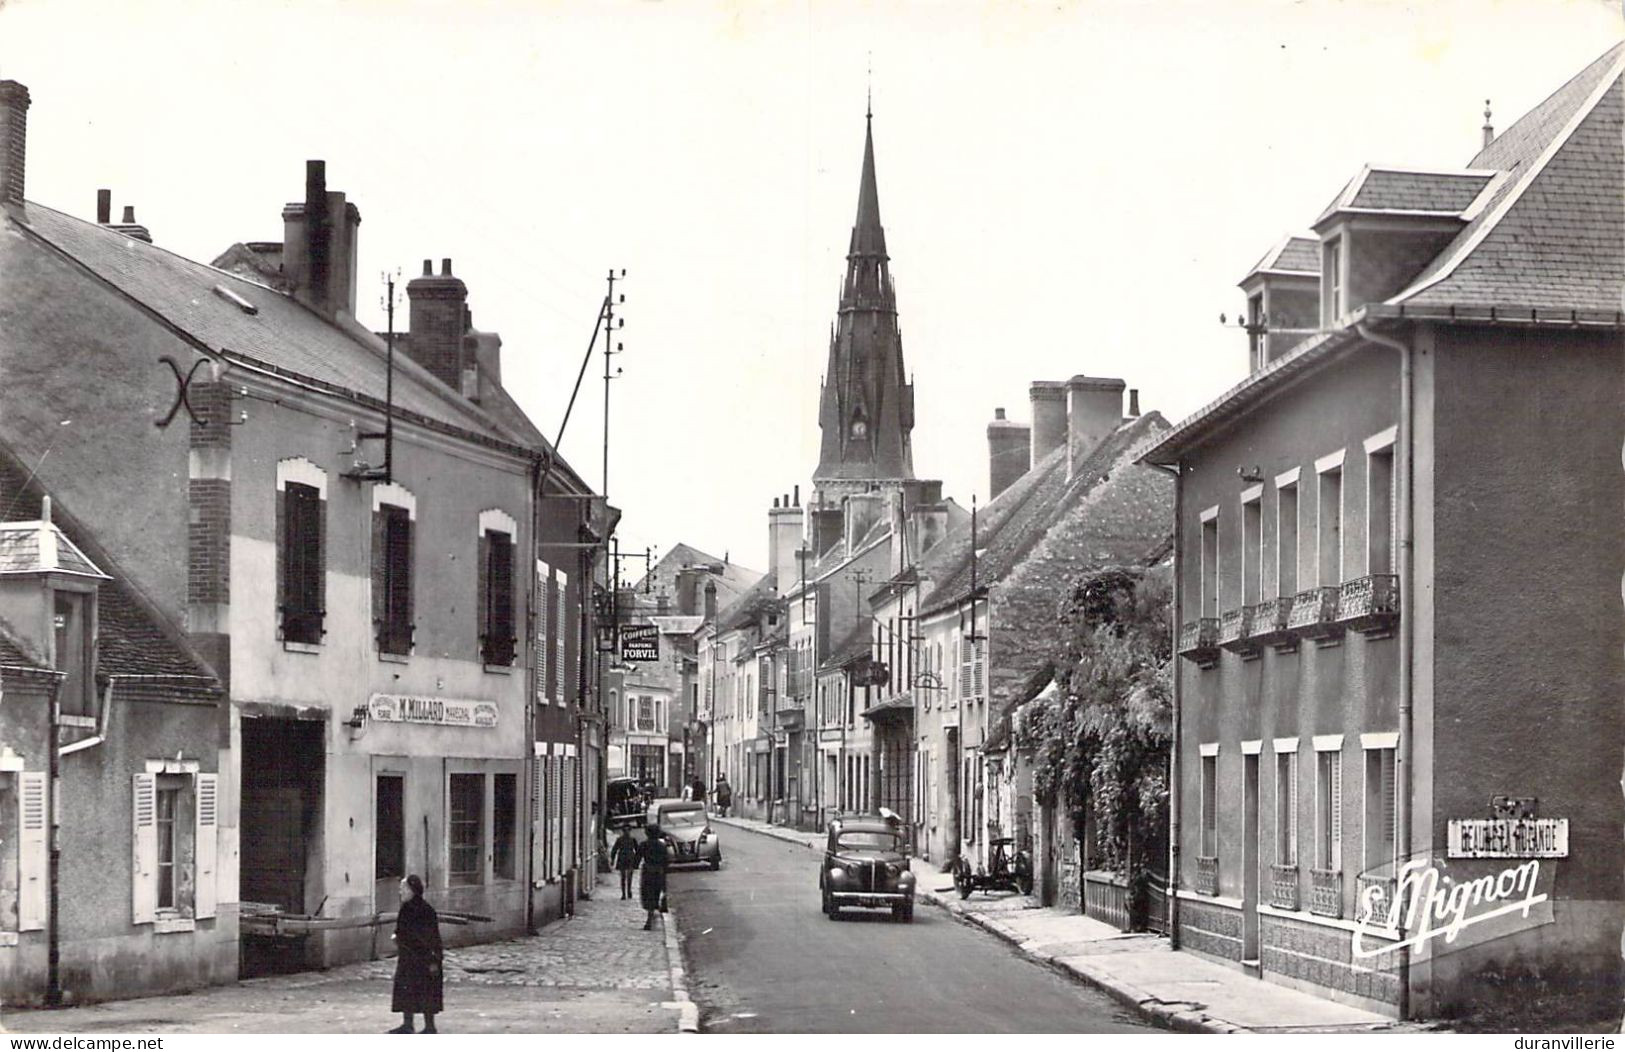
(32, 851)
(540, 644)
(967, 689)
(1337, 811)
(207, 842)
(979, 671)
(574, 807)
(144, 848)
(561, 586)
(538, 822)
(1292, 810)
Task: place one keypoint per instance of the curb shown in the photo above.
(688, 1013)
(1182, 1017)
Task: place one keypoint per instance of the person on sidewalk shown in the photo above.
(725, 795)
(418, 979)
(652, 887)
(623, 855)
(697, 790)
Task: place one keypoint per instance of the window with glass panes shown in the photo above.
(465, 819)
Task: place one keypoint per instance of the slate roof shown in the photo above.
(41, 547)
(281, 333)
(130, 638)
(732, 582)
(1403, 190)
(744, 611)
(1545, 241)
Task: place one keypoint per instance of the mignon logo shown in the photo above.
(1425, 901)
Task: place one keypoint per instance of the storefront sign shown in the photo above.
(606, 639)
(640, 643)
(1509, 838)
(442, 712)
(1424, 902)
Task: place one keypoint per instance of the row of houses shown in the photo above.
(326, 624)
(1394, 550)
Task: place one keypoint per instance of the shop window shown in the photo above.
(465, 822)
(504, 824)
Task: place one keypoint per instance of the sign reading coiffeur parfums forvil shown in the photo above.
(442, 712)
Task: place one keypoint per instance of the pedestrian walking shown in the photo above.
(652, 886)
(623, 855)
(418, 979)
(725, 795)
(697, 790)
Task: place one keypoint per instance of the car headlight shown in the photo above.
(836, 873)
(905, 877)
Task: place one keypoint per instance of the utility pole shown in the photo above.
(610, 326)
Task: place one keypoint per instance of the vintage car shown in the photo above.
(866, 864)
(626, 804)
(688, 829)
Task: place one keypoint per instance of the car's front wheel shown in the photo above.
(716, 863)
(904, 912)
(829, 905)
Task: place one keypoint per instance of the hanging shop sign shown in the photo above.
(1509, 838)
(441, 712)
(606, 639)
(640, 643)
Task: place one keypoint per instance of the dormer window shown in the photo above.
(1332, 277)
(73, 653)
(1255, 332)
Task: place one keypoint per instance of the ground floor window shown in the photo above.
(504, 824)
(175, 823)
(389, 827)
(465, 819)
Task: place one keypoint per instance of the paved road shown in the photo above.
(762, 958)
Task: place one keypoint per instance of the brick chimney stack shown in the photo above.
(1048, 399)
(784, 526)
(14, 102)
(439, 324)
(1094, 409)
(1009, 452)
(319, 239)
(129, 227)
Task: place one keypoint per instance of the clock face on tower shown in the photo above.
(859, 428)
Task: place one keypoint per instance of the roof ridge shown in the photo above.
(1525, 180)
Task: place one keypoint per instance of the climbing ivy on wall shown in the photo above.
(1101, 741)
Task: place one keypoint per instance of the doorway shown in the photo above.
(281, 822)
(1249, 859)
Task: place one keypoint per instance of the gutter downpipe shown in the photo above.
(53, 787)
(1173, 754)
(1407, 574)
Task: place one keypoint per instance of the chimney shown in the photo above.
(1009, 449)
(784, 523)
(1133, 402)
(129, 227)
(13, 141)
(1049, 417)
(1094, 409)
(688, 590)
(104, 207)
(710, 600)
(438, 316)
(319, 241)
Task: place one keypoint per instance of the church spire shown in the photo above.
(866, 408)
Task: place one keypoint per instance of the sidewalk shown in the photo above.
(594, 973)
(1176, 990)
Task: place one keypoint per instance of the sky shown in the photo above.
(1068, 187)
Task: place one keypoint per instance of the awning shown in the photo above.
(893, 709)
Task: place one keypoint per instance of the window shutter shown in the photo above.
(561, 651)
(1390, 822)
(380, 578)
(979, 672)
(555, 785)
(483, 569)
(966, 688)
(32, 850)
(317, 581)
(207, 842)
(398, 556)
(1292, 810)
(544, 620)
(1337, 811)
(538, 845)
(572, 807)
(281, 558)
(144, 848)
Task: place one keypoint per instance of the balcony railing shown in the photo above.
(1270, 624)
(1314, 613)
(1207, 874)
(1284, 887)
(1370, 605)
(1199, 642)
(1236, 632)
(1378, 894)
(1326, 892)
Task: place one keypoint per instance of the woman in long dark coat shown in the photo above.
(418, 978)
(652, 887)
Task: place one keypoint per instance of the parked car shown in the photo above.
(687, 826)
(625, 804)
(866, 864)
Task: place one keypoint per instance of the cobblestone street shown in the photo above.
(595, 973)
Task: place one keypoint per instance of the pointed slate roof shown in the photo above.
(868, 236)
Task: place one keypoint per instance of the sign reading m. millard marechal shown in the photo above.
(1509, 838)
(442, 712)
(640, 643)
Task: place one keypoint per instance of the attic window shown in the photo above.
(236, 300)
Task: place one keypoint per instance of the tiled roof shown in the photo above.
(743, 612)
(733, 580)
(129, 639)
(15, 651)
(281, 332)
(1029, 510)
(1553, 235)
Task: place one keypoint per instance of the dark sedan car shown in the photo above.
(866, 864)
